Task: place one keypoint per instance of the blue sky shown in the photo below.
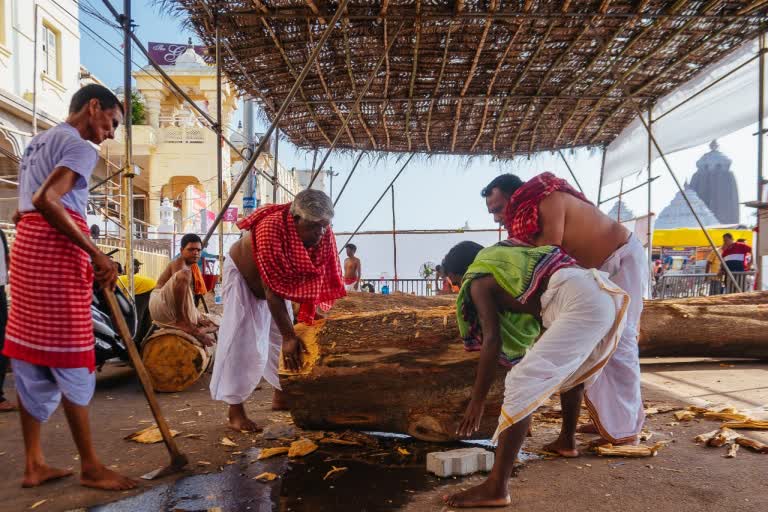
(440, 192)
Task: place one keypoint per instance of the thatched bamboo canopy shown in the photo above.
(472, 77)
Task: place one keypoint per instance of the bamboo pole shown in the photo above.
(758, 260)
(344, 186)
(219, 142)
(394, 233)
(128, 160)
(356, 106)
(649, 232)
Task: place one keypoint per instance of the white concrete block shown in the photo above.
(461, 462)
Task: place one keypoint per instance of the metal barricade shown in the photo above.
(700, 285)
(422, 287)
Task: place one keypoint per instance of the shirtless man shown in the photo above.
(288, 253)
(547, 211)
(172, 302)
(352, 269)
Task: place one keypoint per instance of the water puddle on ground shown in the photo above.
(378, 478)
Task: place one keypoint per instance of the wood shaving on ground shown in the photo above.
(265, 477)
(37, 504)
(149, 435)
(684, 415)
(645, 436)
(726, 416)
(732, 449)
(717, 438)
(342, 442)
(193, 436)
(203, 463)
(752, 444)
(403, 451)
(608, 450)
(333, 471)
(301, 448)
(748, 424)
(225, 441)
(271, 452)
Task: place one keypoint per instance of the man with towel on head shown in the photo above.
(546, 210)
(290, 255)
(508, 293)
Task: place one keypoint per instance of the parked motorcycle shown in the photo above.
(108, 344)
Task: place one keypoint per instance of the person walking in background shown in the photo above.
(735, 253)
(716, 280)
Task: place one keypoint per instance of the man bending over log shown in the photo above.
(546, 210)
(172, 302)
(507, 294)
(50, 330)
(290, 255)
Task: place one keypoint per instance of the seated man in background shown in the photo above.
(508, 293)
(172, 302)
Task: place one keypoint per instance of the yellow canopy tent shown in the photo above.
(694, 237)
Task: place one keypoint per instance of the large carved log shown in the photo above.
(720, 326)
(396, 363)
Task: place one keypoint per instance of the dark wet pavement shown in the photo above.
(377, 478)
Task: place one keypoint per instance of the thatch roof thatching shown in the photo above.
(472, 77)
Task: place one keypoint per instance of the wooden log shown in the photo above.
(174, 360)
(403, 368)
(734, 325)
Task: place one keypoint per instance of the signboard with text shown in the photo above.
(166, 54)
(230, 215)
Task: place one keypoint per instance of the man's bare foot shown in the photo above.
(482, 495)
(238, 420)
(589, 428)
(8, 406)
(42, 474)
(99, 477)
(563, 448)
(278, 401)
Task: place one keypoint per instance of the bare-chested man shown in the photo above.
(288, 254)
(352, 269)
(172, 302)
(547, 211)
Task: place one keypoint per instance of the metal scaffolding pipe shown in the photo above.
(760, 157)
(394, 231)
(641, 185)
(356, 106)
(283, 107)
(128, 160)
(649, 233)
(562, 156)
(276, 175)
(377, 201)
(219, 143)
(602, 173)
(344, 186)
(685, 197)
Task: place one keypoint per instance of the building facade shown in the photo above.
(33, 99)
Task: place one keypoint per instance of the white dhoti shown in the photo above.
(583, 313)
(162, 302)
(615, 396)
(249, 341)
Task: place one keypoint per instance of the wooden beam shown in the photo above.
(527, 6)
(446, 45)
(260, 6)
(383, 107)
(384, 7)
(492, 83)
(603, 6)
(519, 80)
(751, 7)
(471, 73)
(544, 80)
(414, 69)
(566, 5)
(459, 7)
(667, 69)
(348, 58)
(321, 76)
(617, 83)
(287, 61)
(316, 11)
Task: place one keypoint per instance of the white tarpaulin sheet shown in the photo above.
(723, 108)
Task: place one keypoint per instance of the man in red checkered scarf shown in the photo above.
(288, 254)
(546, 210)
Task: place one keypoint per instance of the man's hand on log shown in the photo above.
(293, 346)
(472, 416)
